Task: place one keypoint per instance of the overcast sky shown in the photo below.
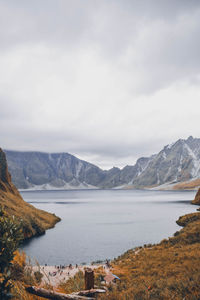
(106, 80)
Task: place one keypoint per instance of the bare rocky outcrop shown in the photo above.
(5, 178)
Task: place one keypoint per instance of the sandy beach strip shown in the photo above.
(54, 275)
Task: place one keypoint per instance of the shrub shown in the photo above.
(38, 276)
(10, 237)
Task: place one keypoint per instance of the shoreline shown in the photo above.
(183, 245)
(96, 259)
(161, 188)
(55, 275)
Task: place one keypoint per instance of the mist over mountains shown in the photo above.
(175, 163)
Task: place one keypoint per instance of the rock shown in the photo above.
(197, 198)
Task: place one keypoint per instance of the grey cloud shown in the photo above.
(67, 21)
(120, 51)
(47, 22)
(106, 152)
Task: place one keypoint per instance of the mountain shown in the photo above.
(176, 166)
(34, 221)
(59, 170)
(63, 170)
(175, 163)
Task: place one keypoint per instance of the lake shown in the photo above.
(100, 224)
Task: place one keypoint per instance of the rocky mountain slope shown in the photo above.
(179, 162)
(63, 170)
(59, 170)
(175, 166)
(34, 221)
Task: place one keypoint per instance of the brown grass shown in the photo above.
(169, 270)
(187, 185)
(77, 283)
(34, 221)
(20, 278)
(197, 198)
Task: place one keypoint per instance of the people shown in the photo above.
(107, 263)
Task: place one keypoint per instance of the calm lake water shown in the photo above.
(100, 224)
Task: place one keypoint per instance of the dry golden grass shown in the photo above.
(187, 185)
(197, 198)
(34, 221)
(77, 283)
(20, 293)
(169, 270)
(74, 284)
(20, 278)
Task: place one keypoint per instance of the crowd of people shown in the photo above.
(59, 270)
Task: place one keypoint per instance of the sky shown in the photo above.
(106, 80)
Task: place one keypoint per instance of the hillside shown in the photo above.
(176, 166)
(34, 221)
(197, 198)
(168, 270)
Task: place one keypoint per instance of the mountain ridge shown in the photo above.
(175, 164)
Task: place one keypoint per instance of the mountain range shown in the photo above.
(176, 166)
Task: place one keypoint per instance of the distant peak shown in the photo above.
(190, 138)
(115, 168)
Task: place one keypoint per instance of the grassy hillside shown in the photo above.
(197, 198)
(187, 185)
(169, 270)
(34, 221)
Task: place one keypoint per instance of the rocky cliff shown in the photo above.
(176, 166)
(62, 170)
(59, 170)
(34, 221)
(178, 162)
(197, 198)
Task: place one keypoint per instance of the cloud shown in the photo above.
(107, 81)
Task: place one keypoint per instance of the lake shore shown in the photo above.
(99, 225)
(55, 275)
(167, 270)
